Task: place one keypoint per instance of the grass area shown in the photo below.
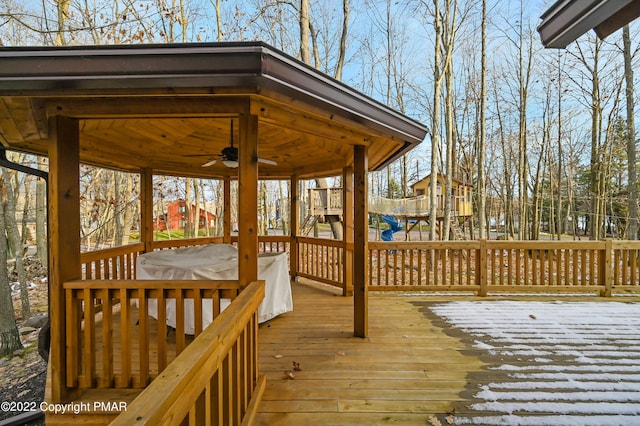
(164, 235)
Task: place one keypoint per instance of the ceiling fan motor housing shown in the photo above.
(230, 153)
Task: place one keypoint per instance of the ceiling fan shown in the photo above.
(229, 156)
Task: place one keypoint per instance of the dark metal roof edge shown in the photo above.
(95, 68)
(566, 20)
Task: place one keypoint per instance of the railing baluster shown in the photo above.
(143, 336)
(73, 330)
(180, 327)
(197, 312)
(107, 335)
(161, 330)
(125, 339)
(89, 339)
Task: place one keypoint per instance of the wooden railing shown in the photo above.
(321, 260)
(116, 263)
(433, 266)
(215, 379)
(480, 266)
(270, 243)
(553, 266)
(506, 266)
(124, 326)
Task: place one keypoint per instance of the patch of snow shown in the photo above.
(561, 362)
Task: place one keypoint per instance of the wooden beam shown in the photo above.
(294, 225)
(248, 200)
(360, 245)
(150, 106)
(347, 232)
(146, 209)
(226, 212)
(64, 239)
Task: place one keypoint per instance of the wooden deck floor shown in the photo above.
(407, 371)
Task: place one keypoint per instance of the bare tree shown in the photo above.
(481, 150)
(14, 239)
(435, 121)
(41, 216)
(9, 337)
(631, 137)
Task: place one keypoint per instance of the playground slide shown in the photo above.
(387, 234)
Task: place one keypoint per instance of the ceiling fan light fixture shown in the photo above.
(232, 164)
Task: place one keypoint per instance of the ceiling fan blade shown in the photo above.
(209, 163)
(265, 161)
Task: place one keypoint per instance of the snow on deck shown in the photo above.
(551, 363)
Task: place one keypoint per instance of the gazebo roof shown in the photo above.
(169, 108)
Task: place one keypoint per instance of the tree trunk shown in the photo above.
(305, 55)
(435, 124)
(15, 241)
(449, 41)
(63, 13)
(9, 336)
(196, 214)
(187, 208)
(41, 216)
(631, 138)
(559, 218)
(482, 190)
(218, 12)
(343, 39)
(595, 162)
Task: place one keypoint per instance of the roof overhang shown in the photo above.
(566, 20)
(194, 85)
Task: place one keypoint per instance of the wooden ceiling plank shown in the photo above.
(291, 106)
(8, 127)
(302, 121)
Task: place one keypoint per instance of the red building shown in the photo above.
(175, 218)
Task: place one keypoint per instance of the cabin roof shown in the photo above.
(441, 178)
(169, 108)
(566, 20)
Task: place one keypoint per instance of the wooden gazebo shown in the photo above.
(160, 110)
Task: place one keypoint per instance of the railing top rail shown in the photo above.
(152, 284)
(90, 256)
(283, 238)
(164, 244)
(551, 244)
(321, 241)
(183, 379)
(427, 245)
(625, 245)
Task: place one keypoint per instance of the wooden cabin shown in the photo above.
(164, 110)
(175, 217)
(461, 194)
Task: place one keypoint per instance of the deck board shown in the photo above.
(407, 371)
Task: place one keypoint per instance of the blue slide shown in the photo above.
(387, 234)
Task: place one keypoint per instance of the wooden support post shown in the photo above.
(226, 212)
(481, 268)
(146, 209)
(607, 268)
(360, 245)
(248, 197)
(347, 232)
(294, 226)
(64, 240)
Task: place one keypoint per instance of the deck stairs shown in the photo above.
(308, 224)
